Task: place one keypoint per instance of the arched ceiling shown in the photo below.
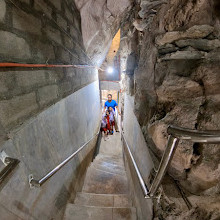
(100, 21)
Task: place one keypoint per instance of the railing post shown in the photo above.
(165, 161)
(10, 164)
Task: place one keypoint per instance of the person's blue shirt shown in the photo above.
(112, 104)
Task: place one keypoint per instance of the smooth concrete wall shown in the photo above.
(109, 85)
(139, 149)
(40, 145)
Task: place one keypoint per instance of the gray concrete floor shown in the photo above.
(112, 146)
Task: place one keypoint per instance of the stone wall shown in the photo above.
(100, 22)
(45, 113)
(38, 32)
(42, 144)
(176, 81)
(137, 144)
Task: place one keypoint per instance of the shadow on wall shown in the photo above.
(217, 8)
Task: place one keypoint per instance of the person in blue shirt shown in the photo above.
(113, 104)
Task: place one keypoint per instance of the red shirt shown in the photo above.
(108, 122)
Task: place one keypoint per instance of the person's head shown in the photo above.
(109, 97)
(107, 112)
(110, 109)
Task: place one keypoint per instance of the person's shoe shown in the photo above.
(117, 131)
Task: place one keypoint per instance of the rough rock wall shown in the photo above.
(100, 22)
(177, 82)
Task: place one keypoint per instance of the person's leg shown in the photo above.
(105, 134)
(116, 124)
(113, 125)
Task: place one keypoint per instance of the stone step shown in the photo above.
(102, 182)
(108, 167)
(103, 200)
(112, 146)
(107, 156)
(103, 158)
(79, 212)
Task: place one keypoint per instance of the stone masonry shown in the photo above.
(38, 32)
(43, 111)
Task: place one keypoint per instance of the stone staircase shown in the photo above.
(105, 194)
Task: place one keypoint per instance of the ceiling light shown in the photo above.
(110, 70)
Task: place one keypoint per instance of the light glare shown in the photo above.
(110, 70)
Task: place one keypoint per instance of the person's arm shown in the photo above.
(104, 109)
(118, 110)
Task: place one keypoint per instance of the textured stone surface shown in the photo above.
(26, 1)
(2, 10)
(102, 200)
(40, 115)
(3, 85)
(43, 52)
(5, 214)
(98, 181)
(92, 213)
(62, 22)
(124, 213)
(89, 199)
(54, 34)
(167, 48)
(17, 107)
(177, 91)
(25, 79)
(13, 46)
(100, 22)
(109, 167)
(26, 22)
(83, 212)
(57, 4)
(184, 55)
(43, 7)
(200, 44)
(193, 32)
(172, 89)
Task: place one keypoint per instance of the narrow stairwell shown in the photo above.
(105, 194)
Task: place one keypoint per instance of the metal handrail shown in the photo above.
(10, 164)
(175, 134)
(140, 178)
(37, 183)
(164, 163)
(194, 135)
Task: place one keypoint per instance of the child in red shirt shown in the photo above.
(109, 127)
(104, 127)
